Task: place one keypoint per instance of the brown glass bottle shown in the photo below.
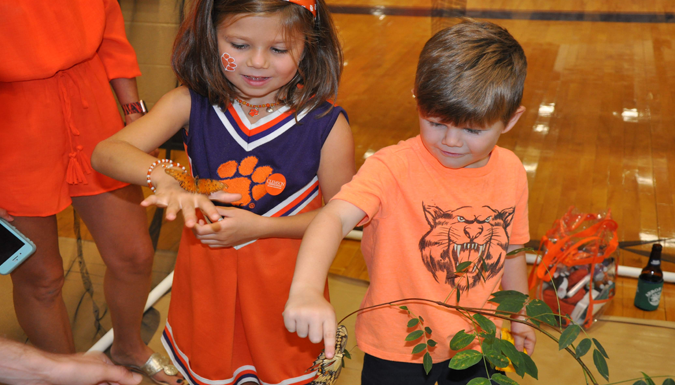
(650, 282)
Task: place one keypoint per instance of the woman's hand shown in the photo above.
(5, 216)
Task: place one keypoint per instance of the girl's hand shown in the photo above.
(5, 216)
(307, 313)
(237, 226)
(523, 337)
(169, 194)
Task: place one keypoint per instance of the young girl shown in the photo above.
(257, 76)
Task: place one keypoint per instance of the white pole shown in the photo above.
(154, 296)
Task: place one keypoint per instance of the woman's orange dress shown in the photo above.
(56, 103)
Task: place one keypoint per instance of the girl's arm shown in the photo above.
(307, 312)
(515, 278)
(335, 169)
(124, 156)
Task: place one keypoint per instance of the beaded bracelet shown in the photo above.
(165, 163)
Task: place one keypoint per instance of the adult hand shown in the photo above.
(5, 216)
(25, 365)
(89, 369)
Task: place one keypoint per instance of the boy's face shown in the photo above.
(459, 147)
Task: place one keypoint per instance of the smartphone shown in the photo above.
(14, 247)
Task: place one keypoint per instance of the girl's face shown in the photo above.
(263, 60)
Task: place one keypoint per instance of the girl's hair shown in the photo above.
(196, 62)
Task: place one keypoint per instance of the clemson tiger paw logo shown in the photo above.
(250, 180)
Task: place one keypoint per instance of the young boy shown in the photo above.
(428, 204)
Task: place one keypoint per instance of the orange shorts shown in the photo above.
(225, 321)
(49, 130)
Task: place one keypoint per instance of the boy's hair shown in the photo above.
(471, 73)
(196, 62)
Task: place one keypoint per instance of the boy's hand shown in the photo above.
(237, 226)
(307, 313)
(523, 337)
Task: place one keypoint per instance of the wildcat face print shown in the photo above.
(228, 62)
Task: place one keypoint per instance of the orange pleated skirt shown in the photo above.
(225, 322)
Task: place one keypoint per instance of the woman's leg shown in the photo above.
(119, 226)
(37, 284)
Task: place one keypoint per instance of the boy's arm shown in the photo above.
(515, 278)
(307, 312)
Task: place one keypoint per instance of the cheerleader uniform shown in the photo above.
(225, 323)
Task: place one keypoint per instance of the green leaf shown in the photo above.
(480, 272)
(413, 322)
(502, 379)
(509, 300)
(649, 379)
(465, 359)
(461, 268)
(568, 336)
(403, 308)
(458, 296)
(669, 381)
(540, 311)
(512, 353)
(414, 335)
(419, 348)
(600, 348)
(428, 330)
(428, 363)
(485, 324)
(461, 340)
(431, 343)
(347, 354)
(639, 382)
(600, 364)
(530, 366)
(493, 352)
(502, 295)
(583, 347)
(421, 319)
(479, 381)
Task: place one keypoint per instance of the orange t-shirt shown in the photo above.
(422, 219)
(40, 38)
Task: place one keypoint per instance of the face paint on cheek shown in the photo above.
(228, 62)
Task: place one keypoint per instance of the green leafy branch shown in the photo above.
(423, 331)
